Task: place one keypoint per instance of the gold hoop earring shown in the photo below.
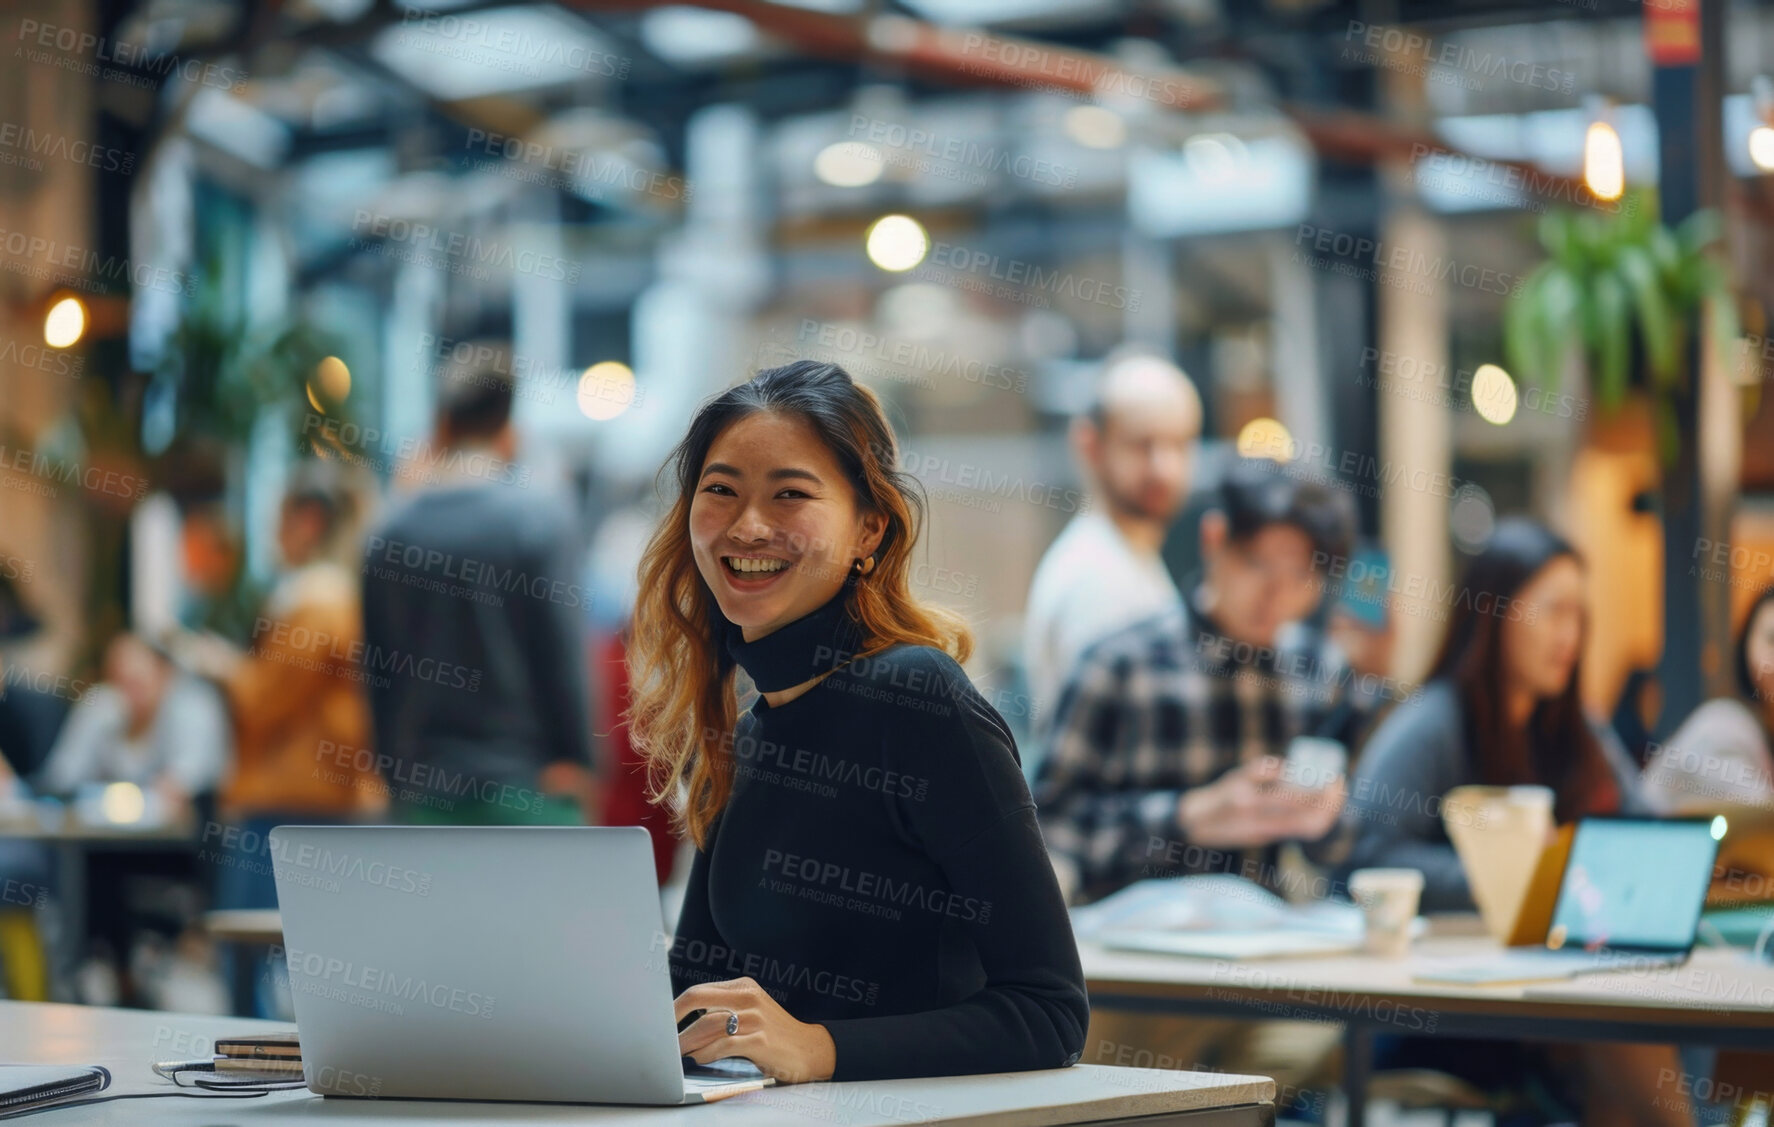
(862, 566)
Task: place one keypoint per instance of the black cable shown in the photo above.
(234, 1090)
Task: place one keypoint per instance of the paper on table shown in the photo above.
(1211, 903)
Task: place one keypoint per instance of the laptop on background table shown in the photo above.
(1630, 898)
(484, 963)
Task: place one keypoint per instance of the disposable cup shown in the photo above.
(1388, 900)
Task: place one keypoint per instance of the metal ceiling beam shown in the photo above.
(983, 58)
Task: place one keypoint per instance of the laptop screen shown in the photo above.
(1634, 883)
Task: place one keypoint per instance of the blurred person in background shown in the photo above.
(148, 723)
(611, 571)
(31, 712)
(1175, 728)
(296, 696)
(786, 553)
(154, 726)
(220, 596)
(477, 572)
(151, 725)
(28, 721)
(1721, 759)
(1723, 754)
(1135, 446)
(24, 892)
(1168, 745)
(1501, 707)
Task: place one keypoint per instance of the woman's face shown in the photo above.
(1759, 649)
(1543, 629)
(774, 524)
(300, 529)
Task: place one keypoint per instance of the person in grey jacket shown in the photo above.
(1500, 707)
(473, 627)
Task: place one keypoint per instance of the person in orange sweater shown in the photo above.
(297, 696)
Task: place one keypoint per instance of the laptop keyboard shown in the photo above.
(727, 1068)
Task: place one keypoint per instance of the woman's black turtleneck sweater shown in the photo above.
(877, 868)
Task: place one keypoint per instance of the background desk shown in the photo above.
(1718, 998)
(126, 1040)
(72, 843)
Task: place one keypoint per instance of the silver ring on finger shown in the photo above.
(732, 1021)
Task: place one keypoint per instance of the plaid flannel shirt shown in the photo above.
(1168, 704)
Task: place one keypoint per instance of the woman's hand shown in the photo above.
(789, 1050)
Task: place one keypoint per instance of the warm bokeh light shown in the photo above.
(1266, 438)
(1493, 394)
(849, 164)
(1095, 127)
(1761, 147)
(897, 242)
(1604, 162)
(606, 389)
(330, 384)
(65, 323)
(123, 803)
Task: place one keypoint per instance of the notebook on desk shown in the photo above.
(38, 1087)
(1630, 898)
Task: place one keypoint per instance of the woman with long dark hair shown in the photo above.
(1500, 706)
(870, 897)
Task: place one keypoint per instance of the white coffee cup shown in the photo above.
(1388, 900)
(1314, 762)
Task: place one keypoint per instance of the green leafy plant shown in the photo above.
(1618, 297)
(226, 372)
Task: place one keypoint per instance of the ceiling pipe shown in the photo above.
(976, 57)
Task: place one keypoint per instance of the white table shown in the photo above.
(126, 1040)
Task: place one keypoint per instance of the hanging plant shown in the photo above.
(1617, 299)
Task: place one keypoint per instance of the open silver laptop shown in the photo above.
(471, 963)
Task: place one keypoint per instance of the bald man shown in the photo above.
(1136, 446)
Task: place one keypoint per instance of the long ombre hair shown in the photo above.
(683, 707)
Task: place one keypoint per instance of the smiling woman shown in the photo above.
(870, 896)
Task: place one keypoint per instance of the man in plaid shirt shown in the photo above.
(1165, 752)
